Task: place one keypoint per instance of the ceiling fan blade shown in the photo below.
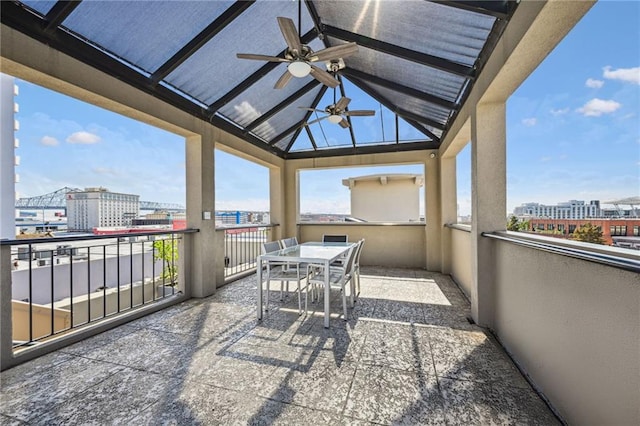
(342, 103)
(260, 57)
(334, 52)
(344, 123)
(323, 77)
(283, 80)
(316, 120)
(290, 34)
(360, 113)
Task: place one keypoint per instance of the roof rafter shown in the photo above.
(350, 72)
(227, 17)
(59, 13)
(400, 52)
(366, 149)
(497, 9)
(285, 103)
(391, 106)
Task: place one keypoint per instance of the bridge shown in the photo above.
(57, 200)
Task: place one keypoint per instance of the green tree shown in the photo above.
(515, 225)
(167, 251)
(588, 233)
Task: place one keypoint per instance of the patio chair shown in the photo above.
(339, 276)
(289, 242)
(335, 238)
(285, 273)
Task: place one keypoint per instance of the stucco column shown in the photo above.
(448, 207)
(432, 213)
(291, 200)
(276, 201)
(488, 200)
(202, 258)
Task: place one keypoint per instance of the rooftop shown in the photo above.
(414, 65)
(407, 355)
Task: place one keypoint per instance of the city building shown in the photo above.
(385, 197)
(616, 232)
(98, 207)
(572, 209)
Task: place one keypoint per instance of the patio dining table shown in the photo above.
(311, 252)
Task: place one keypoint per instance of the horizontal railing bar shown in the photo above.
(458, 226)
(223, 228)
(17, 242)
(603, 259)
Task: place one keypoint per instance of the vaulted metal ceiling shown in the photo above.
(416, 62)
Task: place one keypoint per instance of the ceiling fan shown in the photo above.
(337, 113)
(300, 57)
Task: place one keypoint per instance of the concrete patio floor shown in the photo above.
(407, 355)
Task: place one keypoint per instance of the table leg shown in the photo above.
(259, 273)
(327, 293)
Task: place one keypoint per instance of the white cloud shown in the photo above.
(49, 141)
(545, 159)
(594, 84)
(84, 138)
(629, 75)
(596, 107)
(557, 112)
(530, 122)
(105, 171)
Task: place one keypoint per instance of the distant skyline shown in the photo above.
(573, 132)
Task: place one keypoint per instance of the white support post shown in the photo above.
(489, 202)
(432, 213)
(449, 207)
(204, 266)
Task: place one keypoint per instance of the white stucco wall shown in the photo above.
(574, 327)
(386, 198)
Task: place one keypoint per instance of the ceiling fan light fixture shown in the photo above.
(299, 69)
(335, 118)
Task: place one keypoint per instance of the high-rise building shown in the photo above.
(572, 209)
(97, 207)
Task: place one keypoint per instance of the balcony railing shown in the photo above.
(61, 283)
(242, 245)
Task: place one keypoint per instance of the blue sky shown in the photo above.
(573, 130)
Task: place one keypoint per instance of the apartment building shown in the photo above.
(98, 207)
(572, 209)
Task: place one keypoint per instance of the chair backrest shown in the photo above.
(351, 260)
(270, 247)
(335, 238)
(289, 242)
(358, 252)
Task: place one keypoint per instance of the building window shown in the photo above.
(618, 230)
(549, 226)
(636, 230)
(561, 228)
(572, 229)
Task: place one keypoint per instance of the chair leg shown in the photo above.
(344, 302)
(299, 299)
(267, 298)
